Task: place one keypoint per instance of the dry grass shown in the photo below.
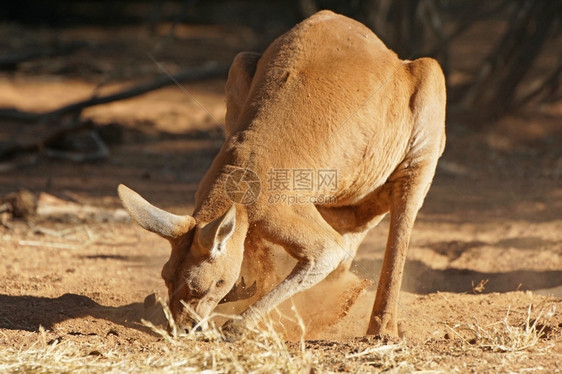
(502, 336)
(392, 357)
(263, 350)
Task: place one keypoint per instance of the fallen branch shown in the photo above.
(206, 71)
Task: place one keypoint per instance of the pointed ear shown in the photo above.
(214, 235)
(240, 76)
(151, 218)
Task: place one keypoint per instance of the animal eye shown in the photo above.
(220, 282)
(196, 294)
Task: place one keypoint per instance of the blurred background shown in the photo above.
(514, 56)
(97, 93)
(80, 81)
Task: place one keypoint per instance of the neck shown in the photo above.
(228, 181)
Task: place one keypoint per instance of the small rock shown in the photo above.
(20, 204)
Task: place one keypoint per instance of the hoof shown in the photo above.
(382, 328)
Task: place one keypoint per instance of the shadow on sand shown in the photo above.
(422, 279)
(29, 312)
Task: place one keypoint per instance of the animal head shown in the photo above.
(206, 256)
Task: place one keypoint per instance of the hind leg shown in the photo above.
(408, 189)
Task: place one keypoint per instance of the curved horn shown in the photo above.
(151, 218)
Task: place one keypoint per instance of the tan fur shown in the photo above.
(327, 95)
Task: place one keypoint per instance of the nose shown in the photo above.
(186, 328)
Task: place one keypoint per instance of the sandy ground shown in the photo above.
(486, 249)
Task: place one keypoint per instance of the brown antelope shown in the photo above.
(327, 95)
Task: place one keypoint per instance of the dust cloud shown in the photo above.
(337, 308)
(333, 309)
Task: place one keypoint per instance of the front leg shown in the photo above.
(305, 274)
(323, 252)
